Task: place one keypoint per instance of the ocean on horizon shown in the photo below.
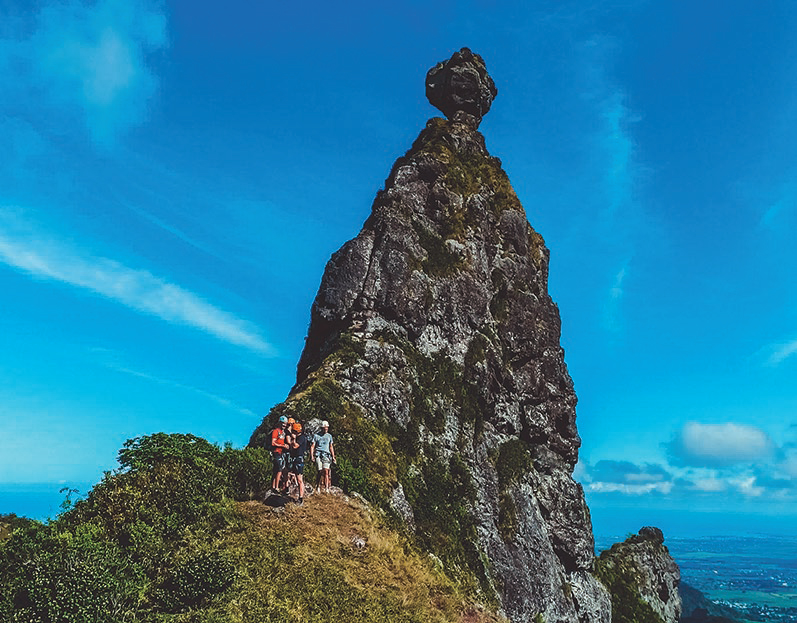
(40, 501)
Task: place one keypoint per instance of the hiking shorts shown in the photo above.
(297, 465)
(323, 460)
(280, 462)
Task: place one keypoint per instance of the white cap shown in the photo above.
(324, 423)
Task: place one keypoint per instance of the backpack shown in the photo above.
(269, 444)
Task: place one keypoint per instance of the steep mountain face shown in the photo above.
(433, 350)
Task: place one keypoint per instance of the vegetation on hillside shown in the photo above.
(621, 577)
(439, 490)
(174, 536)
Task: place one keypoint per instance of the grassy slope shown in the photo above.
(174, 536)
(330, 560)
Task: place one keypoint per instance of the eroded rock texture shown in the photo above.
(461, 87)
(433, 350)
(643, 578)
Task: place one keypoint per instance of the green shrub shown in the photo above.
(441, 496)
(507, 516)
(198, 578)
(440, 260)
(11, 522)
(169, 496)
(163, 542)
(80, 576)
(147, 452)
(248, 471)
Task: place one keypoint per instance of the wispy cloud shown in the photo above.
(224, 402)
(709, 484)
(780, 211)
(747, 486)
(92, 57)
(782, 351)
(612, 307)
(614, 171)
(619, 148)
(614, 144)
(45, 258)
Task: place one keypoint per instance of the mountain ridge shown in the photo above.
(433, 350)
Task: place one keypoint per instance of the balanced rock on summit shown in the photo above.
(461, 85)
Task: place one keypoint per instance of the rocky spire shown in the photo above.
(433, 350)
(461, 87)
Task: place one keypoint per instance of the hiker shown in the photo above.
(278, 454)
(297, 451)
(322, 451)
(290, 477)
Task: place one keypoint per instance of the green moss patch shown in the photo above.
(442, 497)
(440, 260)
(512, 463)
(468, 171)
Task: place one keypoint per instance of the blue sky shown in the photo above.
(175, 176)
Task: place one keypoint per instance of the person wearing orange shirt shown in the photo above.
(279, 453)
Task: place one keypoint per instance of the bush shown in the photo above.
(248, 471)
(197, 579)
(115, 551)
(69, 577)
(146, 452)
(11, 522)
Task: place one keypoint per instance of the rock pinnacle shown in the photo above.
(461, 85)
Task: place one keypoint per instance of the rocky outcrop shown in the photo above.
(433, 350)
(642, 578)
(461, 87)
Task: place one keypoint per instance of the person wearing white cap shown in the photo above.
(322, 451)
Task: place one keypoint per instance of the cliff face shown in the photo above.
(433, 350)
(643, 579)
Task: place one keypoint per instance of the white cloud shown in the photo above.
(788, 467)
(710, 484)
(630, 489)
(138, 289)
(717, 445)
(747, 486)
(609, 476)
